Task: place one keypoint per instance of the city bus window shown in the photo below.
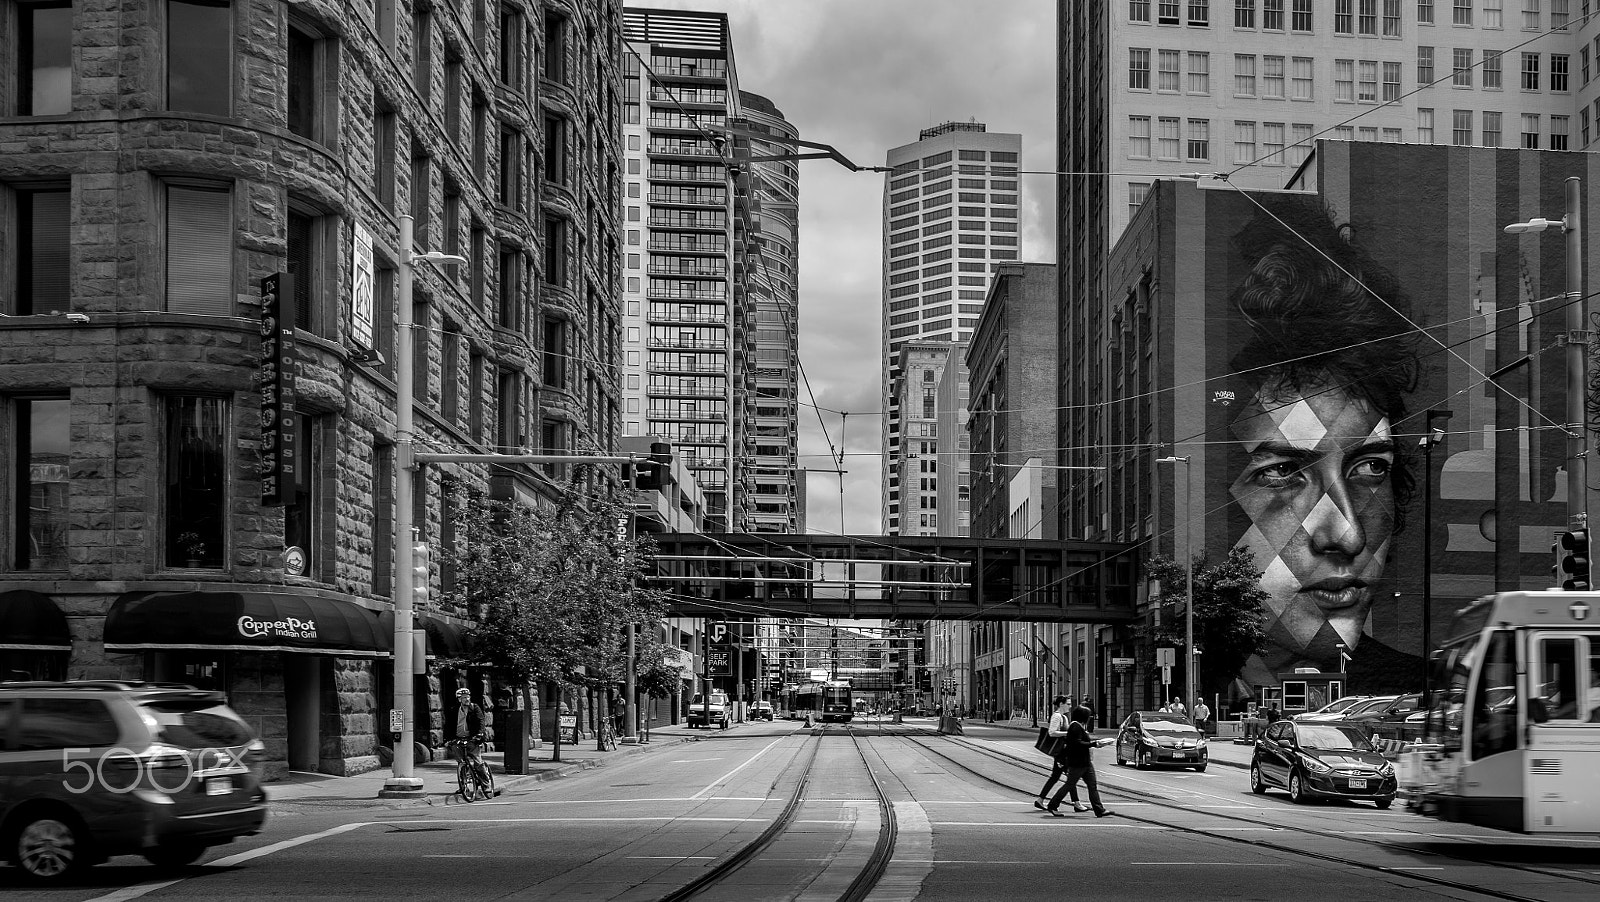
(1558, 677)
(1494, 711)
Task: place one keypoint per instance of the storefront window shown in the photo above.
(196, 469)
(300, 514)
(40, 525)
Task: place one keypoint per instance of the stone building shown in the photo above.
(161, 161)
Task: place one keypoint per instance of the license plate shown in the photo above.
(1358, 783)
(219, 786)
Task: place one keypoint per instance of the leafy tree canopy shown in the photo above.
(1229, 625)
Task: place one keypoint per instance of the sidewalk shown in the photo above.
(439, 776)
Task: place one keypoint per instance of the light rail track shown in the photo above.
(871, 871)
(1158, 801)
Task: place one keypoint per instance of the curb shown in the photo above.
(505, 782)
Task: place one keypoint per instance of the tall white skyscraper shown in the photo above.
(950, 213)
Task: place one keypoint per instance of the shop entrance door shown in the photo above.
(302, 696)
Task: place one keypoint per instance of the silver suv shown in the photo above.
(93, 769)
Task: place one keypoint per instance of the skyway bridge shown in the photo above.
(895, 577)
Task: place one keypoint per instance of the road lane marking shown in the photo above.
(563, 820)
(1051, 823)
(693, 760)
(729, 775)
(134, 892)
(1225, 864)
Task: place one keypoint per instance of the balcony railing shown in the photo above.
(688, 247)
(679, 149)
(655, 291)
(669, 316)
(678, 222)
(661, 269)
(698, 344)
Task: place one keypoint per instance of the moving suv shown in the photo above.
(702, 715)
(93, 769)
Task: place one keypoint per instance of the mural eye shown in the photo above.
(1277, 476)
(1372, 468)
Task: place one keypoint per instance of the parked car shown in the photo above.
(1331, 711)
(1149, 738)
(1386, 719)
(1313, 760)
(702, 714)
(93, 769)
(761, 710)
(1371, 703)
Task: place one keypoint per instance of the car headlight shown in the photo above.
(1201, 743)
(1313, 765)
(1387, 770)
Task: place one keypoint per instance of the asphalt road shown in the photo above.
(645, 825)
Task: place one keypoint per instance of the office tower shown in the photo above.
(773, 288)
(679, 276)
(950, 212)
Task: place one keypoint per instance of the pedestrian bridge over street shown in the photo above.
(895, 577)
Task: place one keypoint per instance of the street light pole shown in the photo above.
(1577, 341)
(1188, 560)
(403, 783)
(1433, 436)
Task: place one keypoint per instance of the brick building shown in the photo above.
(158, 161)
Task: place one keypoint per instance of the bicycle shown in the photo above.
(474, 779)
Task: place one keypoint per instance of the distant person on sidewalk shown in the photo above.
(1080, 765)
(1057, 730)
(1202, 714)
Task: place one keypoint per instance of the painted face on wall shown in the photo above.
(1319, 490)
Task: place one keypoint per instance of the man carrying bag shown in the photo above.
(1050, 742)
(1080, 765)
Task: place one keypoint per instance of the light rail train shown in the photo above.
(825, 700)
(1512, 736)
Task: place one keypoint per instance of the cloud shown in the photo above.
(866, 76)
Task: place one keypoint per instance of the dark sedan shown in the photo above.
(1149, 738)
(1384, 720)
(1321, 760)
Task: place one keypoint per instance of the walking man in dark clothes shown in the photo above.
(1077, 750)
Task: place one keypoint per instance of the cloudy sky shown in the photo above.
(865, 76)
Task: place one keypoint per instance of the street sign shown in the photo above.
(396, 722)
(1122, 665)
(719, 632)
(1166, 673)
(1166, 657)
(719, 660)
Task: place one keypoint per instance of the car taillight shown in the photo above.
(255, 758)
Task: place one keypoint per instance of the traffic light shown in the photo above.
(650, 474)
(419, 574)
(1576, 561)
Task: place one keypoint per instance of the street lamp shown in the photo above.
(403, 783)
(1433, 436)
(1188, 560)
(1577, 340)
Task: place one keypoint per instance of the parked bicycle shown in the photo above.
(474, 779)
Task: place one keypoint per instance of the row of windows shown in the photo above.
(1368, 18)
(1490, 69)
(1169, 139)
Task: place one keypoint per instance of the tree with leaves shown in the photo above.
(1229, 625)
(551, 590)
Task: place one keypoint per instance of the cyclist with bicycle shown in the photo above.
(468, 734)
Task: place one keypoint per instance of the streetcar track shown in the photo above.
(1159, 802)
(865, 880)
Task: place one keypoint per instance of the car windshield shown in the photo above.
(1373, 704)
(198, 723)
(1342, 704)
(1331, 737)
(1158, 722)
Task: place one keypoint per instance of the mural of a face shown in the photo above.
(1318, 488)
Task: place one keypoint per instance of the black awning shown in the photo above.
(244, 621)
(30, 621)
(445, 639)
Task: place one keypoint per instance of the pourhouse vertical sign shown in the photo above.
(279, 468)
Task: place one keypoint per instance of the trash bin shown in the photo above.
(514, 742)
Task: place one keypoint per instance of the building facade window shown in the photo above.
(303, 252)
(1139, 69)
(1139, 137)
(1167, 62)
(1303, 78)
(1461, 76)
(1491, 128)
(1138, 10)
(1244, 13)
(1272, 77)
(304, 64)
(1424, 66)
(1530, 72)
(511, 43)
(199, 56)
(1199, 140)
(1272, 143)
(1167, 138)
(1391, 18)
(1302, 16)
(1461, 12)
(1244, 142)
(1344, 81)
(44, 63)
(1272, 15)
(383, 151)
(199, 249)
(195, 468)
(1367, 81)
(1244, 75)
(555, 46)
(1493, 13)
(1461, 128)
(43, 250)
(1530, 131)
(1424, 126)
(1491, 70)
(40, 455)
(1560, 128)
(1560, 63)
(1199, 72)
(1424, 12)
(302, 508)
(1343, 16)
